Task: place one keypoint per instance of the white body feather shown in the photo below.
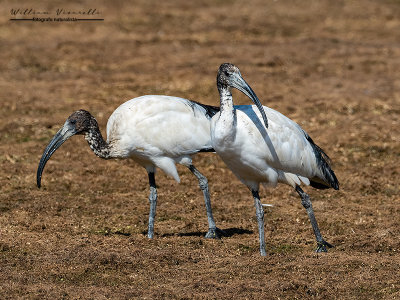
(256, 155)
(159, 131)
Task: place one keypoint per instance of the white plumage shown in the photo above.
(256, 155)
(260, 145)
(159, 131)
(156, 132)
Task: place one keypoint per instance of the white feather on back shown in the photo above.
(159, 130)
(280, 153)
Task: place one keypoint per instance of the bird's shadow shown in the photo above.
(224, 232)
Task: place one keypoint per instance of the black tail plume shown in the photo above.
(323, 161)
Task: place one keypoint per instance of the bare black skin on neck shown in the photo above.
(223, 77)
(224, 85)
(86, 124)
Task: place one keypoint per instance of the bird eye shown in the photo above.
(226, 73)
(73, 122)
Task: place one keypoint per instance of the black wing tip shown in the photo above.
(335, 182)
(330, 176)
(318, 185)
(210, 109)
(207, 150)
(324, 162)
(324, 186)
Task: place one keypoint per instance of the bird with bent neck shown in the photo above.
(260, 145)
(156, 132)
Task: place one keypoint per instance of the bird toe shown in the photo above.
(321, 246)
(214, 233)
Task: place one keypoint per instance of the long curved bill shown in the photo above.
(59, 138)
(244, 87)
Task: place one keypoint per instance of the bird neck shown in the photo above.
(228, 113)
(96, 142)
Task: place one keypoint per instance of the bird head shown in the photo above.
(229, 77)
(79, 122)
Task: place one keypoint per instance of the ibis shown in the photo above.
(261, 145)
(156, 132)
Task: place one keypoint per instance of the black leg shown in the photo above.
(213, 231)
(260, 220)
(153, 204)
(305, 200)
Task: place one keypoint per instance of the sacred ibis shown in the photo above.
(156, 132)
(276, 150)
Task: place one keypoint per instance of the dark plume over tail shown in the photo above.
(207, 150)
(210, 110)
(329, 178)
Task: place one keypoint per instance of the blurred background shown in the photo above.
(331, 66)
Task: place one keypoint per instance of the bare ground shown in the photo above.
(332, 66)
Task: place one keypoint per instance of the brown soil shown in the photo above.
(332, 66)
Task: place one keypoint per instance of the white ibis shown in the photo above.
(260, 145)
(156, 132)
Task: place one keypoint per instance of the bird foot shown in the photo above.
(321, 246)
(263, 252)
(214, 233)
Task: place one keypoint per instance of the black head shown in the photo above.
(79, 122)
(227, 73)
(229, 77)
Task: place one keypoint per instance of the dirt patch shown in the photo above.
(331, 66)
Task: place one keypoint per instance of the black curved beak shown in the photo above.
(239, 83)
(59, 138)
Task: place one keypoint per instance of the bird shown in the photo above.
(261, 145)
(156, 131)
